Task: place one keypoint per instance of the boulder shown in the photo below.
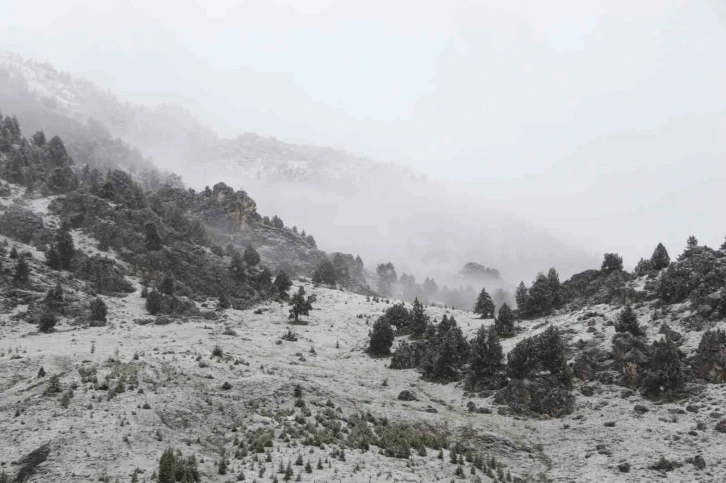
(709, 362)
(407, 395)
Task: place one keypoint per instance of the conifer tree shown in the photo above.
(628, 322)
(282, 284)
(167, 285)
(65, 247)
(486, 356)
(98, 310)
(381, 337)
(223, 302)
(237, 267)
(555, 289)
(484, 305)
(300, 305)
(153, 240)
(419, 319)
(153, 302)
(326, 270)
(251, 256)
(612, 262)
(21, 273)
(317, 279)
(504, 324)
(660, 258)
(521, 296)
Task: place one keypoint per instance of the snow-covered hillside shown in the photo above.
(113, 398)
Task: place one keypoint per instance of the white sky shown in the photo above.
(603, 121)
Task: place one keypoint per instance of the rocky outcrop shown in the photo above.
(22, 225)
(632, 354)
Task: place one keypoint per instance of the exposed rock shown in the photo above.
(624, 467)
(640, 409)
(699, 462)
(587, 391)
(470, 406)
(431, 409)
(484, 411)
(721, 426)
(407, 395)
(670, 334)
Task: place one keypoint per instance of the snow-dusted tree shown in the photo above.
(643, 267)
(251, 256)
(628, 322)
(381, 337)
(504, 323)
(167, 285)
(326, 270)
(486, 357)
(223, 301)
(282, 284)
(521, 296)
(237, 267)
(153, 302)
(484, 305)
(612, 262)
(98, 310)
(660, 258)
(21, 273)
(300, 305)
(419, 319)
(555, 288)
(666, 374)
(153, 240)
(47, 322)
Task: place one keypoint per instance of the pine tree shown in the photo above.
(484, 305)
(223, 302)
(251, 256)
(153, 240)
(300, 305)
(317, 279)
(660, 258)
(326, 271)
(504, 324)
(628, 322)
(98, 310)
(540, 296)
(282, 284)
(21, 273)
(65, 247)
(47, 322)
(263, 281)
(237, 267)
(167, 285)
(52, 258)
(521, 296)
(555, 289)
(612, 262)
(643, 267)
(419, 319)
(381, 337)
(153, 302)
(486, 357)
(666, 373)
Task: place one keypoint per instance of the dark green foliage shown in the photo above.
(167, 285)
(21, 272)
(612, 262)
(398, 316)
(486, 357)
(447, 352)
(251, 256)
(543, 352)
(223, 302)
(419, 319)
(504, 324)
(326, 272)
(282, 284)
(57, 151)
(660, 258)
(98, 310)
(104, 275)
(521, 296)
(263, 281)
(387, 277)
(153, 240)
(381, 337)
(300, 305)
(52, 258)
(54, 298)
(628, 322)
(237, 267)
(317, 279)
(643, 267)
(484, 305)
(277, 222)
(153, 302)
(173, 467)
(666, 375)
(47, 322)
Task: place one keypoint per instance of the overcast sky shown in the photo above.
(602, 121)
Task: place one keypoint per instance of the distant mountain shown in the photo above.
(382, 211)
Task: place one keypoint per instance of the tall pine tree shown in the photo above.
(484, 305)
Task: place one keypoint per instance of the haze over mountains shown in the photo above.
(381, 211)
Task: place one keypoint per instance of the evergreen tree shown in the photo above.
(555, 289)
(612, 262)
(21, 273)
(398, 316)
(251, 256)
(263, 281)
(52, 258)
(451, 354)
(430, 288)
(419, 319)
(643, 267)
(54, 297)
(628, 322)
(551, 351)
(381, 337)
(521, 296)
(282, 284)
(486, 357)
(504, 324)
(723, 245)
(57, 151)
(484, 305)
(167, 467)
(13, 253)
(326, 270)
(153, 302)
(300, 305)
(47, 322)
(666, 374)
(98, 310)
(522, 360)
(223, 302)
(153, 240)
(237, 267)
(317, 279)
(660, 258)
(167, 285)
(277, 222)
(39, 139)
(540, 296)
